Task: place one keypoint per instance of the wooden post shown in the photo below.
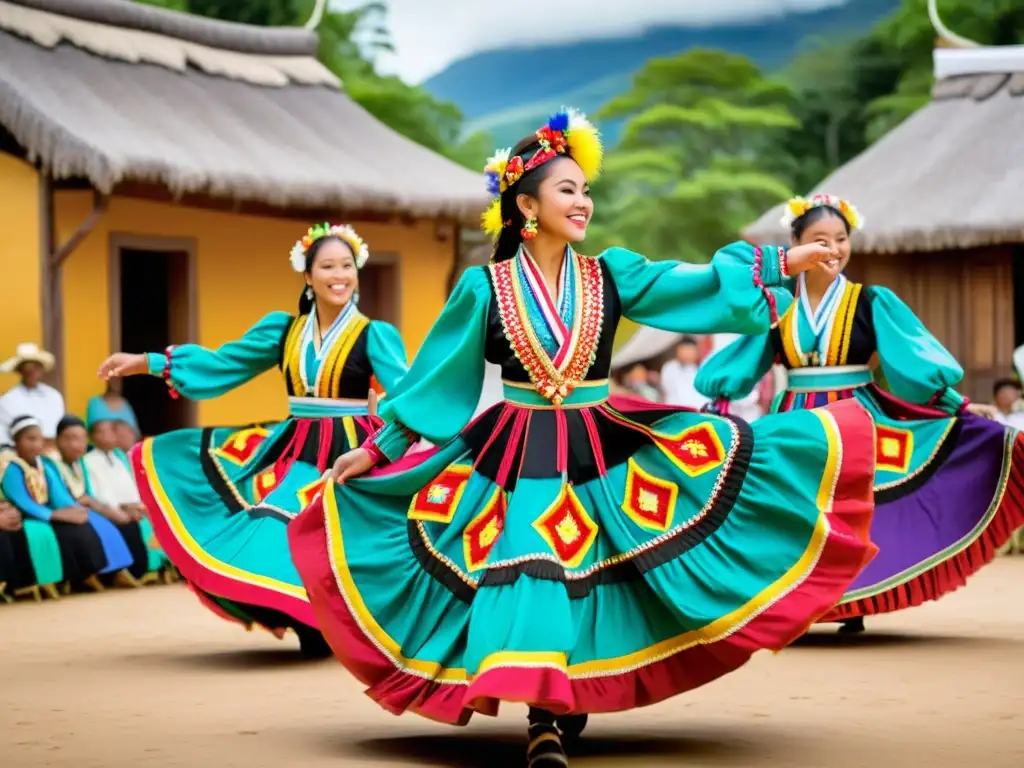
(51, 277)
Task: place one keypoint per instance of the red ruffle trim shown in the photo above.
(951, 574)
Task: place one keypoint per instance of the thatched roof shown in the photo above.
(116, 92)
(951, 175)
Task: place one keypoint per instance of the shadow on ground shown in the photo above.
(462, 749)
(829, 638)
(225, 661)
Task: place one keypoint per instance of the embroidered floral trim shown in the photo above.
(552, 383)
(759, 282)
(171, 389)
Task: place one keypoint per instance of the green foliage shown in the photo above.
(690, 169)
(851, 93)
(710, 142)
(349, 44)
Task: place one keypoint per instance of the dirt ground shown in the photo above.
(148, 679)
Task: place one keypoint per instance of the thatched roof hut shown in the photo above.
(115, 92)
(156, 168)
(951, 175)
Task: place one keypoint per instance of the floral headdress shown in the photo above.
(567, 133)
(799, 206)
(343, 232)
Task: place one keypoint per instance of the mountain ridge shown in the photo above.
(489, 86)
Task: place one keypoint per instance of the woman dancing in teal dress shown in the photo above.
(220, 498)
(565, 550)
(949, 487)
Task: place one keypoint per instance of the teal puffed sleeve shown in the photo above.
(200, 373)
(916, 367)
(441, 391)
(732, 372)
(387, 354)
(720, 297)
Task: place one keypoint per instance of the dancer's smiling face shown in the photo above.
(826, 226)
(332, 272)
(561, 202)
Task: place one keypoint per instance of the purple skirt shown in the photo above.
(949, 492)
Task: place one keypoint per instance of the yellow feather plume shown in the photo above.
(584, 144)
(491, 219)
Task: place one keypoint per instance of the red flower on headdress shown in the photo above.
(514, 170)
(552, 144)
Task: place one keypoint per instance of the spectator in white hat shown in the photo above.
(31, 397)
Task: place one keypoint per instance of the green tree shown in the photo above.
(851, 93)
(692, 166)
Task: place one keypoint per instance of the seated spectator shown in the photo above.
(126, 435)
(89, 543)
(636, 382)
(1006, 397)
(96, 487)
(112, 406)
(31, 397)
(17, 572)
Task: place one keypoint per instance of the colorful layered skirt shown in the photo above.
(949, 492)
(220, 500)
(594, 558)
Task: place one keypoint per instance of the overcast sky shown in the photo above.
(430, 34)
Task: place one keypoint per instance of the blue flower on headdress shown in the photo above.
(493, 183)
(559, 122)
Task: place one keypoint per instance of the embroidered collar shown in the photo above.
(308, 342)
(553, 375)
(820, 322)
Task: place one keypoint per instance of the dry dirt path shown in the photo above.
(148, 679)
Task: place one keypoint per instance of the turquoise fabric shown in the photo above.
(442, 389)
(98, 409)
(44, 551)
(732, 372)
(720, 297)
(768, 530)
(835, 378)
(387, 354)
(200, 373)
(531, 398)
(915, 365)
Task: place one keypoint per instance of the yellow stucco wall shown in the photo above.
(243, 273)
(19, 259)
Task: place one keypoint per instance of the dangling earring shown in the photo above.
(355, 297)
(309, 292)
(529, 230)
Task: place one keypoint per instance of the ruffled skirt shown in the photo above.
(949, 493)
(220, 500)
(587, 560)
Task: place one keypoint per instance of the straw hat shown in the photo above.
(28, 353)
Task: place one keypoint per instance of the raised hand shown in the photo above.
(123, 364)
(801, 258)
